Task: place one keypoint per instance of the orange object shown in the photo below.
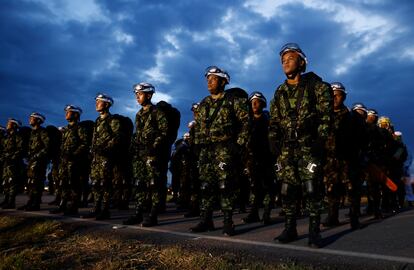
(378, 175)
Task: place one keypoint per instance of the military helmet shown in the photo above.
(294, 47)
(186, 136)
(384, 122)
(258, 95)
(14, 120)
(39, 116)
(218, 72)
(372, 112)
(143, 87)
(337, 86)
(73, 108)
(105, 98)
(359, 106)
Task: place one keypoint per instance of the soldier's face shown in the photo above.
(257, 106)
(10, 125)
(143, 98)
(70, 116)
(33, 121)
(371, 119)
(338, 98)
(291, 63)
(100, 105)
(214, 84)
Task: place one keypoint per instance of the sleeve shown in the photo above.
(19, 150)
(82, 148)
(43, 153)
(162, 123)
(241, 109)
(324, 107)
(117, 134)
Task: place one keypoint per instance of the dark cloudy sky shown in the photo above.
(63, 52)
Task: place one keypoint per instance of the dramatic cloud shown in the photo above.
(59, 52)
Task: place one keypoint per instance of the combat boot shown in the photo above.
(60, 209)
(252, 217)
(228, 225)
(290, 233)
(11, 204)
(151, 219)
(194, 211)
(266, 216)
(72, 209)
(206, 223)
(332, 218)
(5, 201)
(105, 213)
(94, 212)
(135, 219)
(315, 238)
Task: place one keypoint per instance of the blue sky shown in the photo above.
(55, 53)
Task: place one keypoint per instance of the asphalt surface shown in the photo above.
(379, 244)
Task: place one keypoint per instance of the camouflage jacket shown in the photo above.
(107, 136)
(305, 122)
(12, 147)
(38, 144)
(74, 142)
(230, 124)
(151, 129)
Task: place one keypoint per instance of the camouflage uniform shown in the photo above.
(12, 158)
(36, 169)
(300, 120)
(221, 141)
(106, 139)
(73, 155)
(342, 171)
(150, 137)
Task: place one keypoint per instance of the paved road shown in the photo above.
(383, 244)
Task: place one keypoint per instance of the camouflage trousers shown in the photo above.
(342, 179)
(121, 183)
(101, 176)
(301, 175)
(146, 173)
(36, 174)
(217, 177)
(69, 176)
(11, 178)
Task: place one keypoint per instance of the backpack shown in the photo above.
(127, 128)
(55, 139)
(173, 118)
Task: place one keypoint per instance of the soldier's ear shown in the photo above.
(149, 96)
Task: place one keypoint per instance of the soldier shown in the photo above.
(344, 156)
(222, 134)
(73, 154)
(180, 167)
(259, 161)
(300, 120)
(150, 137)
(12, 158)
(38, 152)
(106, 139)
(194, 153)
